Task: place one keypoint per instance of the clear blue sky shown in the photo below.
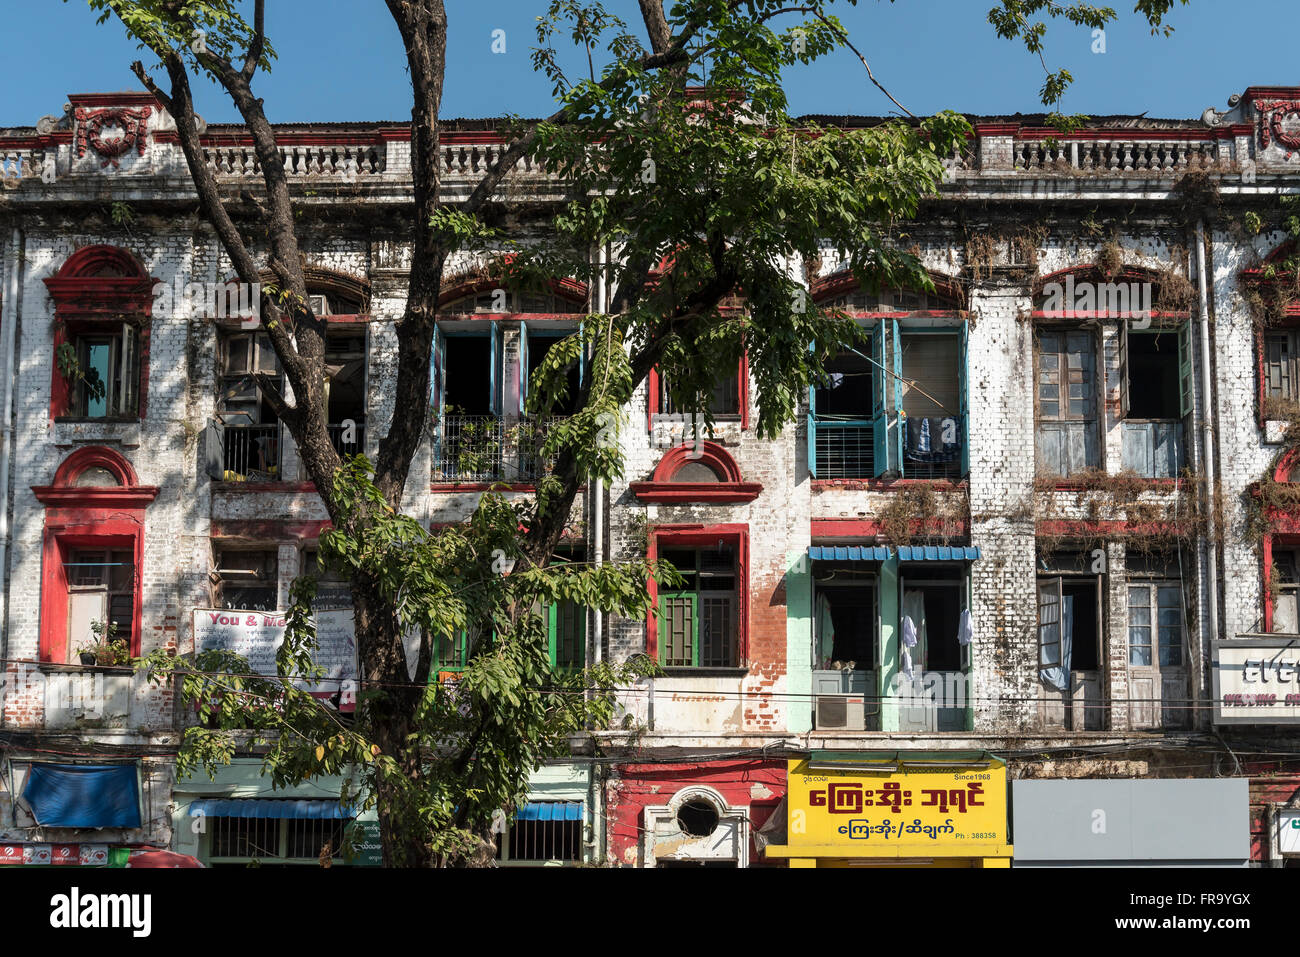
(342, 60)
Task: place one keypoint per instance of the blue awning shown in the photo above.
(83, 795)
(550, 811)
(848, 553)
(938, 553)
(272, 808)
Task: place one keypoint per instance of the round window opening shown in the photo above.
(697, 818)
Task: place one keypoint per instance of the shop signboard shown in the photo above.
(1257, 680)
(257, 636)
(1288, 832)
(897, 811)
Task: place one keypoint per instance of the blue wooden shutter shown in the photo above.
(963, 384)
(523, 366)
(494, 399)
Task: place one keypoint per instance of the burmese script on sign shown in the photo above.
(937, 808)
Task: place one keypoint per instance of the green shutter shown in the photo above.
(566, 635)
(679, 644)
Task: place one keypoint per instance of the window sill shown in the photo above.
(55, 667)
(68, 431)
(673, 671)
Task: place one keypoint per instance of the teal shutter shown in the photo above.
(494, 400)
(900, 420)
(963, 386)
(812, 430)
(1185, 366)
(879, 392)
(812, 423)
(435, 370)
(523, 367)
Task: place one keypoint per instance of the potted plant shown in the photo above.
(108, 650)
(86, 653)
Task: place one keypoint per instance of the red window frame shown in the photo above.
(742, 387)
(85, 301)
(108, 517)
(699, 536)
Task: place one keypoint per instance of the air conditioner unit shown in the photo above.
(320, 305)
(838, 712)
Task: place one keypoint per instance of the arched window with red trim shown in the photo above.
(103, 303)
(91, 554)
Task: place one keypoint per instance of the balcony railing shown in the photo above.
(1153, 449)
(531, 436)
(349, 439)
(251, 453)
(1117, 156)
(844, 449)
(468, 448)
(336, 160)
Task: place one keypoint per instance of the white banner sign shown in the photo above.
(257, 636)
(1288, 832)
(1257, 680)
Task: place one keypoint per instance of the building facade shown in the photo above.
(1038, 529)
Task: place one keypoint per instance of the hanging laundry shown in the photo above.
(909, 632)
(907, 662)
(825, 630)
(965, 628)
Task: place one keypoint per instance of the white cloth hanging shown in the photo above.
(965, 628)
(907, 663)
(909, 632)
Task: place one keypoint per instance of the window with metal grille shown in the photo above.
(698, 619)
(242, 840)
(533, 839)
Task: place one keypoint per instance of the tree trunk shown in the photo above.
(388, 712)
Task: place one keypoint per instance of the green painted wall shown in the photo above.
(798, 642)
(889, 643)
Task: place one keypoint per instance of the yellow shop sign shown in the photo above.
(897, 809)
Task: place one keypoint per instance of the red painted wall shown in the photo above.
(757, 784)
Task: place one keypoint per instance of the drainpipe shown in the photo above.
(8, 326)
(1207, 438)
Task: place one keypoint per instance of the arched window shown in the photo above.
(92, 549)
(103, 302)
